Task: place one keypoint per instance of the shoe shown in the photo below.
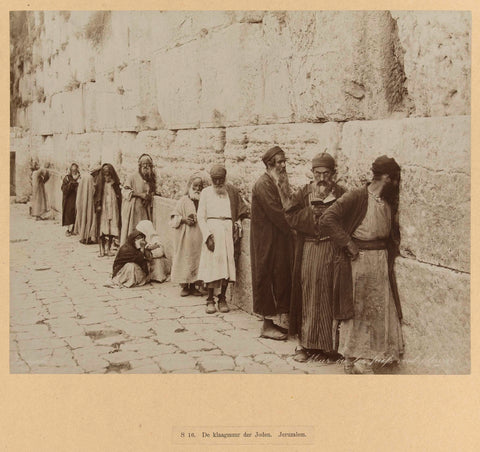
(281, 328)
(185, 292)
(273, 333)
(210, 309)
(195, 292)
(302, 355)
(68, 233)
(223, 306)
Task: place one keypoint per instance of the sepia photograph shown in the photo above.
(240, 192)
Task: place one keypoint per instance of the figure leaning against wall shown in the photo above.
(40, 176)
(220, 212)
(364, 228)
(188, 238)
(108, 201)
(69, 190)
(138, 192)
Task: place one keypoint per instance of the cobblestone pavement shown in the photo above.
(63, 319)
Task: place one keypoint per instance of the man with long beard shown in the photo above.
(271, 246)
(364, 228)
(188, 238)
(138, 192)
(311, 309)
(220, 212)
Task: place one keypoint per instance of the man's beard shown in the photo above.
(192, 194)
(322, 189)
(146, 176)
(390, 193)
(283, 184)
(220, 190)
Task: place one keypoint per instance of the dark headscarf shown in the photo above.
(152, 182)
(128, 253)
(99, 182)
(385, 165)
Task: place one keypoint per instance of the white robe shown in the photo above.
(220, 263)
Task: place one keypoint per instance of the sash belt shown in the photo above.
(218, 218)
(316, 240)
(379, 244)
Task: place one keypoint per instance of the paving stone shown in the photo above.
(121, 356)
(217, 363)
(198, 345)
(177, 361)
(78, 341)
(35, 332)
(40, 344)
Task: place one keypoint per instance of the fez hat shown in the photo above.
(325, 160)
(272, 152)
(218, 171)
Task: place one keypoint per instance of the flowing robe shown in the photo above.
(86, 219)
(365, 291)
(39, 197)
(69, 189)
(270, 250)
(212, 208)
(134, 209)
(187, 243)
(311, 308)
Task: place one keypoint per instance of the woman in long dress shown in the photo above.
(159, 265)
(130, 267)
(69, 189)
(39, 198)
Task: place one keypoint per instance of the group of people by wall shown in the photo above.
(321, 258)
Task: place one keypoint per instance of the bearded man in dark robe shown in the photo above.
(271, 246)
(363, 225)
(311, 310)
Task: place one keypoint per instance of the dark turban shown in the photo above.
(325, 160)
(218, 171)
(272, 152)
(385, 165)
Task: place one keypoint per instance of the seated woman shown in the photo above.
(130, 267)
(155, 253)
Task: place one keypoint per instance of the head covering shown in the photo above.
(145, 158)
(128, 253)
(146, 228)
(325, 160)
(111, 170)
(272, 152)
(194, 176)
(385, 165)
(218, 171)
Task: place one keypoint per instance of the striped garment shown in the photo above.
(317, 291)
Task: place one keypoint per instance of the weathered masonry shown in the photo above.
(197, 88)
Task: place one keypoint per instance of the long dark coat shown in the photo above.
(340, 221)
(69, 189)
(300, 218)
(271, 249)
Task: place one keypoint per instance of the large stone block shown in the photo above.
(437, 60)
(85, 149)
(436, 318)
(184, 153)
(230, 71)
(23, 183)
(435, 190)
(329, 65)
(245, 146)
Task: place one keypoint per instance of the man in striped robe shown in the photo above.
(311, 308)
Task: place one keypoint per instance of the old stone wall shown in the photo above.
(197, 88)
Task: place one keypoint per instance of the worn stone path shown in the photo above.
(63, 319)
